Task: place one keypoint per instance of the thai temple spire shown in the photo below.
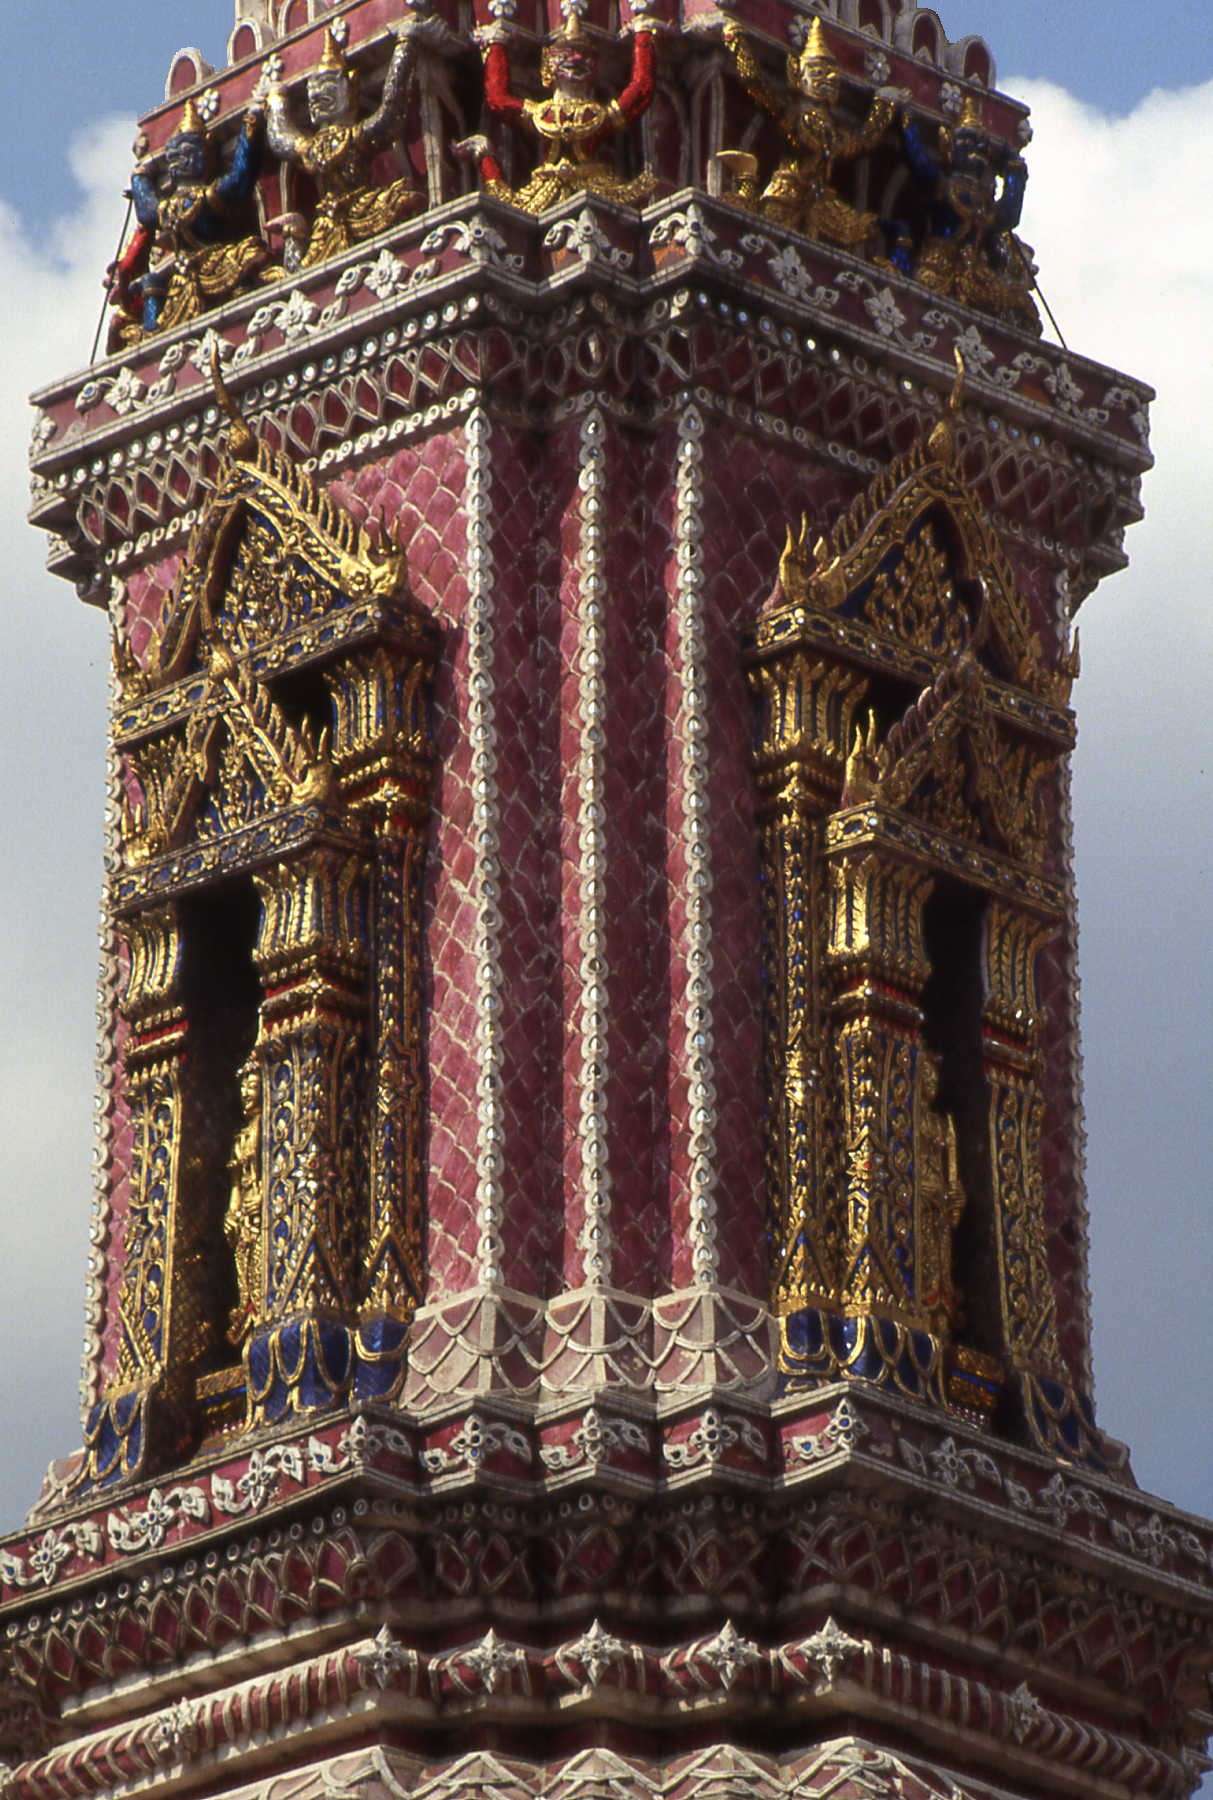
(589, 1284)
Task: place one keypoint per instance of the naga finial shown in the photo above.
(942, 443)
(241, 444)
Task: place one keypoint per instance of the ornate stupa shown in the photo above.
(589, 1285)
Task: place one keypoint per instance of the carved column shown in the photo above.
(311, 953)
(879, 967)
(154, 1307)
(382, 754)
(1058, 1417)
(806, 711)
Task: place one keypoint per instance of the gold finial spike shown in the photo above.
(331, 57)
(190, 123)
(817, 44)
(572, 31)
(241, 444)
(971, 117)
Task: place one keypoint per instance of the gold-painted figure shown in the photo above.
(941, 1201)
(570, 123)
(189, 233)
(336, 154)
(242, 1220)
(801, 192)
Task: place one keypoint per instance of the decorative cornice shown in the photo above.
(472, 263)
(387, 1678)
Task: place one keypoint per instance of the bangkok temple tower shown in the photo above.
(588, 1290)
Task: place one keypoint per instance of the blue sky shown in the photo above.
(1121, 193)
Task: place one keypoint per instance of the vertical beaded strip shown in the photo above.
(109, 981)
(1063, 623)
(693, 729)
(595, 1240)
(482, 723)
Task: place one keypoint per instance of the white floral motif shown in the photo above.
(174, 1732)
(270, 76)
(208, 105)
(886, 315)
(1023, 1712)
(691, 232)
(491, 1660)
(585, 237)
(973, 348)
(596, 1650)
(711, 1439)
(123, 394)
(729, 1654)
(474, 238)
(357, 1448)
(294, 317)
(472, 1443)
(950, 97)
(1063, 387)
(383, 1657)
(1133, 403)
(46, 1558)
(260, 1481)
(876, 67)
(844, 1431)
(386, 275)
(1151, 1540)
(788, 271)
(593, 1441)
(147, 1530)
(828, 1649)
(956, 1467)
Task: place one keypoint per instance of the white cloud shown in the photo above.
(1126, 260)
(51, 744)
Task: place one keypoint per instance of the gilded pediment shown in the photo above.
(916, 561)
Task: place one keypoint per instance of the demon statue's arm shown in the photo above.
(754, 81)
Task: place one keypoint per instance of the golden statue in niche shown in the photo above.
(941, 1200)
(336, 154)
(242, 1220)
(801, 193)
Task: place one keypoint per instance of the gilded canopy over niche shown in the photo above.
(910, 725)
(277, 759)
(916, 559)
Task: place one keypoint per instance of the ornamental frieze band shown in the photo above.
(589, 1279)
